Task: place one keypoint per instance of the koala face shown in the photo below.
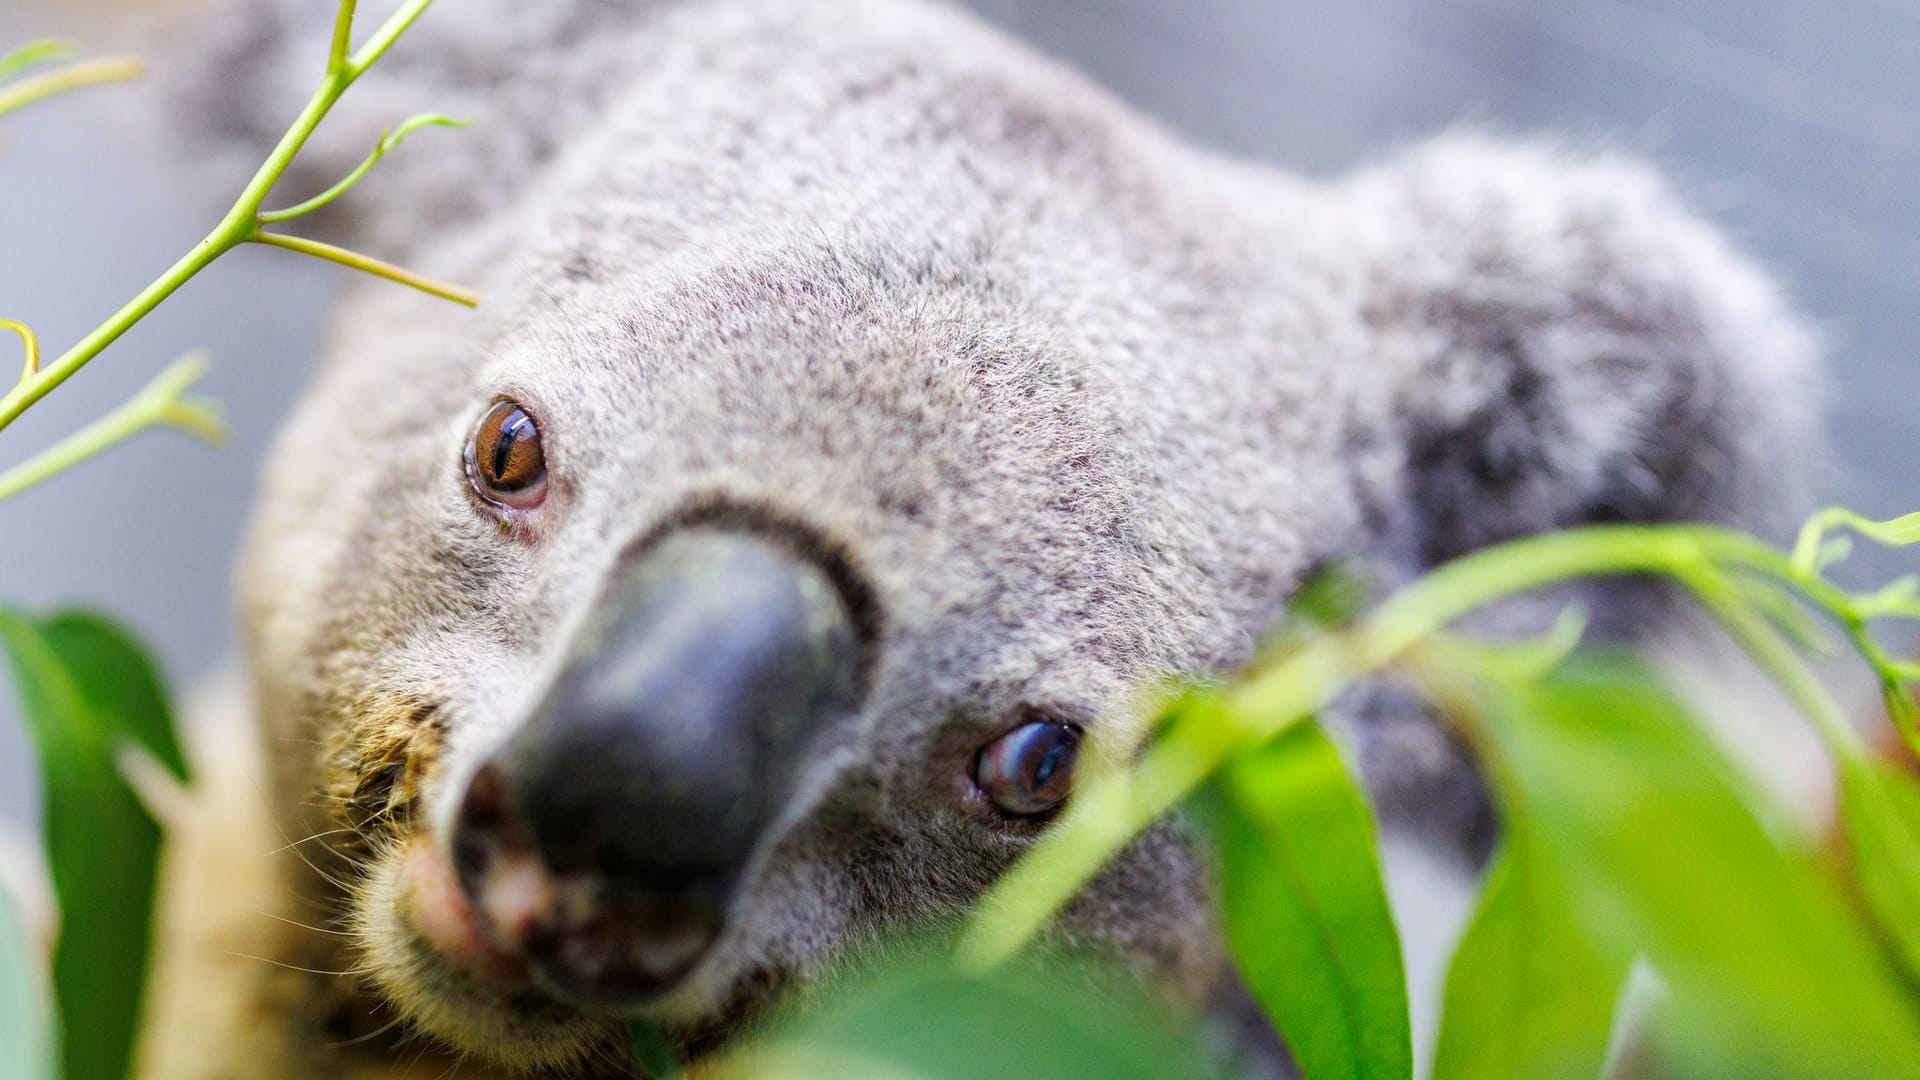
(864, 417)
(665, 657)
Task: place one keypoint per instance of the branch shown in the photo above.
(30, 342)
(87, 73)
(389, 140)
(242, 221)
(383, 38)
(1114, 808)
(342, 37)
(1809, 550)
(370, 265)
(161, 403)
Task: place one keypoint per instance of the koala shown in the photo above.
(863, 413)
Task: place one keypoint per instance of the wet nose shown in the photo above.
(604, 841)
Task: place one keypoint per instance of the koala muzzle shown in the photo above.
(603, 842)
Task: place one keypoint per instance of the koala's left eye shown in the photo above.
(1029, 770)
(505, 462)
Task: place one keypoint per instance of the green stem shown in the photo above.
(162, 403)
(389, 141)
(342, 36)
(1778, 659)
(30, 347)
(86, 73)
(370, 265)
(1114, 808)
(241, 223)
(1895, 533)
(383, 38)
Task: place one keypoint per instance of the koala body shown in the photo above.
(1062, 406)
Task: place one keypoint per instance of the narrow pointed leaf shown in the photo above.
(87, 694)
(1663, 852)
(1529, 995)
(1306, 908)
(926, 1023)
(653, 1055)
(120, 680)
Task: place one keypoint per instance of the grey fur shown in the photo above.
(1082, 402)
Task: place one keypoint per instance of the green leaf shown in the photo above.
(1529, 995)
(89, 694)
(924, 1022)
(26, 1043)
(1306, 910)
(1660, 846)
(653, 1055)
(115, 672)
(1880, 813)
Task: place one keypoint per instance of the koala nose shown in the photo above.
(605, 839)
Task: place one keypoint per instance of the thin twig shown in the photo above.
(321, 250)
(30, 366)
(162, 403)
(106, 69)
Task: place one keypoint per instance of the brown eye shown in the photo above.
(1029, 770)
(504, 461)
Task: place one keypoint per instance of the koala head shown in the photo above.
(864, 417)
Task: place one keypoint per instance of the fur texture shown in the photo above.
(1082, 403)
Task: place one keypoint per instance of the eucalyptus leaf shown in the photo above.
(1306, 909)
(924, 1022)
(1530, 996)
(1661, 851)
(1880, 814)
(113, 669)
(653, 1055)
(89, 694)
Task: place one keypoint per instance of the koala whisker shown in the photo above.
(309, 839)
(352, 972)
(306, 926)
(330, 878)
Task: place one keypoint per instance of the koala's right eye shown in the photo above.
(505, 463)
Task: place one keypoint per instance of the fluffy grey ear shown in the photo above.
(528, 75)
(1562, 343)
(1558, 342)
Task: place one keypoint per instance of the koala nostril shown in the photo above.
(505, 882)
(587, 938)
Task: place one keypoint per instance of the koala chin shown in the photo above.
(863, 412)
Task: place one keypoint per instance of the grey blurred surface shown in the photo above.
(1793, 124)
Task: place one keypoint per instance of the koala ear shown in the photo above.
(528, 74)
(1560, 342)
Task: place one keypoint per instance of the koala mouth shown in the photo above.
(432, 958)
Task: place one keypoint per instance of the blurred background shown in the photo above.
(1794, 125)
